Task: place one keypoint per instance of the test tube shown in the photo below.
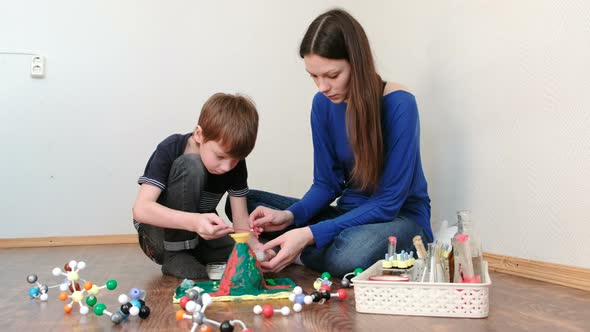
(432, 263)
(391, 246)
(420, 250)
(463, 257)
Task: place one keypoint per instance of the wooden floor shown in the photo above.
(516, 304)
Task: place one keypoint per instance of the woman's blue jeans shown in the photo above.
(358, 246)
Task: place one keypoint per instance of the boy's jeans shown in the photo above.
(358, 246)
(185, 184)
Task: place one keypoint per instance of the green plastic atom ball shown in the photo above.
(91, 300)
(358, 271)
(326, 275)
(99, 309)
(112, 284)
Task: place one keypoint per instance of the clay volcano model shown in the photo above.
(243, 279)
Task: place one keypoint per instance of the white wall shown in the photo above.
(502, 89)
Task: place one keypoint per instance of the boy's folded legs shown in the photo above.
(179, 259)
(151, 241)
(181, 253)
(216, 250)
(183, 264)
(186, 182)
(187, 259)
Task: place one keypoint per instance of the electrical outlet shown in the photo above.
(38, 67)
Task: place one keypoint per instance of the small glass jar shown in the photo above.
(215, 270)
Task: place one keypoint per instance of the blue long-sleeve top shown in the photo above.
(402, 188)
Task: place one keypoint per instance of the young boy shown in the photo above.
(174, 212)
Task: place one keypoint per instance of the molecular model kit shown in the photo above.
(39, 291)
(194, 305)
(193, 299)
(77, 294)
(322, 286)
(132, 304)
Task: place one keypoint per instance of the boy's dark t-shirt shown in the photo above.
(159, 165)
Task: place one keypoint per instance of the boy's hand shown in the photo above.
(211, 226)
(269, 220)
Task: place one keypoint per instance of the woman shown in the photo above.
(366, 153)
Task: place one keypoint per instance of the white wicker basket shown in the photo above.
(420, 298)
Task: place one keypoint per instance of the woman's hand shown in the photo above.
(211, 226)
(292, 244)
(264, 219)
(255, 245)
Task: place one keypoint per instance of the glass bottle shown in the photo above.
(465, 227)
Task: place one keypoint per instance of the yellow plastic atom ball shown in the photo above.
(77, 296)
(72, 276)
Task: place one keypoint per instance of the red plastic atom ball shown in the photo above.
(183, 301)
(267, 311)
(342, 294)
(326, 287)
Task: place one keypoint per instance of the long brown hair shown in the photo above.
(337, 35)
